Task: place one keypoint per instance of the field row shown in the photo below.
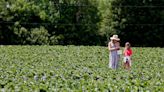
(78, 68)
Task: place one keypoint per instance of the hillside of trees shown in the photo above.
(81, 22)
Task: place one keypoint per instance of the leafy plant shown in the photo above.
(82, 68)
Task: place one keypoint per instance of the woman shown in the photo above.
(113, 61)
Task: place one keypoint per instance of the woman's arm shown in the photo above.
(110, 47)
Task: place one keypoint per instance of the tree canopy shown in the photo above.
(81, 22)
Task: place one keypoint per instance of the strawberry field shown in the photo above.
(78, 69)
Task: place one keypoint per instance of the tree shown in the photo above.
(78, 22)
(139, 21)
(106, 24)
(27, 15)
(67, 22)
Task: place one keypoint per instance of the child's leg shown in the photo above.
(130, 62)
(128, 65)
(124, 65)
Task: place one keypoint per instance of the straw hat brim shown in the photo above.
(117, 39)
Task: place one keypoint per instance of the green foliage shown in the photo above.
(106, 19)
(21, 33)
(78, 22)
(71, 68)
(38, 36)
(23, 15)
(67, 22)
(82, 22)
(139, 21)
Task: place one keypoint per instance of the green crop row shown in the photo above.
(78, 69)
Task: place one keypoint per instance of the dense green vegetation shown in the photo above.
(77, 69)
(81, 22)
(139, 21)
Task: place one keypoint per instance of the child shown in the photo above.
(119, 51)
(127, 56)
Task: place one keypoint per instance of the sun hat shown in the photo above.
(115, 37)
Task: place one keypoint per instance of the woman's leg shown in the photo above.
(110, 65)
(115, 62)
(118, 60)
(111, 61)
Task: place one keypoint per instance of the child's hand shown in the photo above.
(117, 48)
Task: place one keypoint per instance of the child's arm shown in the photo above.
(124, 52)
(131, 52)
(119, 44)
